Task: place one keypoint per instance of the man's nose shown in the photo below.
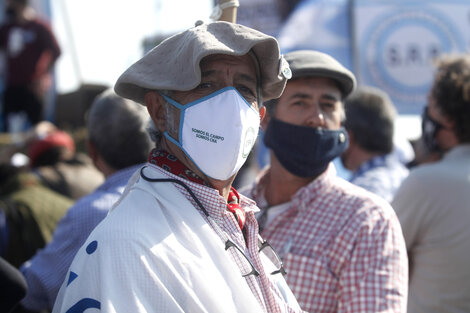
(315, 119)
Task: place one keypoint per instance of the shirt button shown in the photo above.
(342, 138)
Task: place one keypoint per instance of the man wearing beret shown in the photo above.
(180, 239)
(342, 247)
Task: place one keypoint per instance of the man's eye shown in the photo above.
(327, 105)
(245, 90)
(204, 85)
(247, 93)
(299, 103)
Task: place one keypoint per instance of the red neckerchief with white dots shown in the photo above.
(171, 164)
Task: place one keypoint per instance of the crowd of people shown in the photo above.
(151, 219)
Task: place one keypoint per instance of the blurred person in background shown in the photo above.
(118, 145)
(29, 213)
(425, 147)
(370, 118)
(29, 50)
(433, 203)
(15, 146)
(50, 154)
(12, 285)
(423, 154)
(342, 246)
(54, 160)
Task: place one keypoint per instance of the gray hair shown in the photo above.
(154, 133)
(370, 117)
(116, 127)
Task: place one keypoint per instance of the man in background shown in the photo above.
(54, 160)
(342, 247)
(29, 50)
(29, 213)
(370, 119)
(12, 285)
(432, 203)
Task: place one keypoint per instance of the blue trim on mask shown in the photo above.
(192, 103)
(185, 152)
(216, 93)
(179, 142)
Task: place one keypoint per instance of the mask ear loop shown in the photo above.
(429, 137)
(171, 180)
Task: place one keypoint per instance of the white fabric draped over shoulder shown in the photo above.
(154, 253)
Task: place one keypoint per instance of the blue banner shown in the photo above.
(396, 44)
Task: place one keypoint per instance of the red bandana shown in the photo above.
(171, 164)
(233, 205)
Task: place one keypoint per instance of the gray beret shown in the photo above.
(304, 63)
(174, 63)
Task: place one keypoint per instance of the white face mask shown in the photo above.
(217, 132)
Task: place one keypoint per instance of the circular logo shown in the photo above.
(400, 48)
(248, 142)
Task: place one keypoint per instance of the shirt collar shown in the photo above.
(377, 161)
(119, 178)
(316, 187)
(457, 152)
(209, 197)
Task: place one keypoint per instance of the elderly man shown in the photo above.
(181, 239)
(371, 158)
(432, 204)
(342, 246)
(117, 152)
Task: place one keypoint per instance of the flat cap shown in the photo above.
(174, 63)
(305, 63)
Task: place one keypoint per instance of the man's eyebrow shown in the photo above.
(331, 97)
(245, 77)
(207, 73)
(248, 78)
(300, 95)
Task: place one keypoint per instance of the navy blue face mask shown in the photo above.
(304, 151)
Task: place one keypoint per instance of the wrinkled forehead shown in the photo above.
(240, 64)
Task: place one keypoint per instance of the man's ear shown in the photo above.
(265, 118)
(351, 139)
(156, 108)
(448, 122)
(91, 148)
(262, 113)
(92, 151)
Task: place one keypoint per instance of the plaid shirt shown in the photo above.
(342, 247)
(226, 226)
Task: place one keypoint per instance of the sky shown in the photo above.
(102, 38)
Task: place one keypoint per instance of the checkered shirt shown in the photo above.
(226, 226)
(342, 247)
